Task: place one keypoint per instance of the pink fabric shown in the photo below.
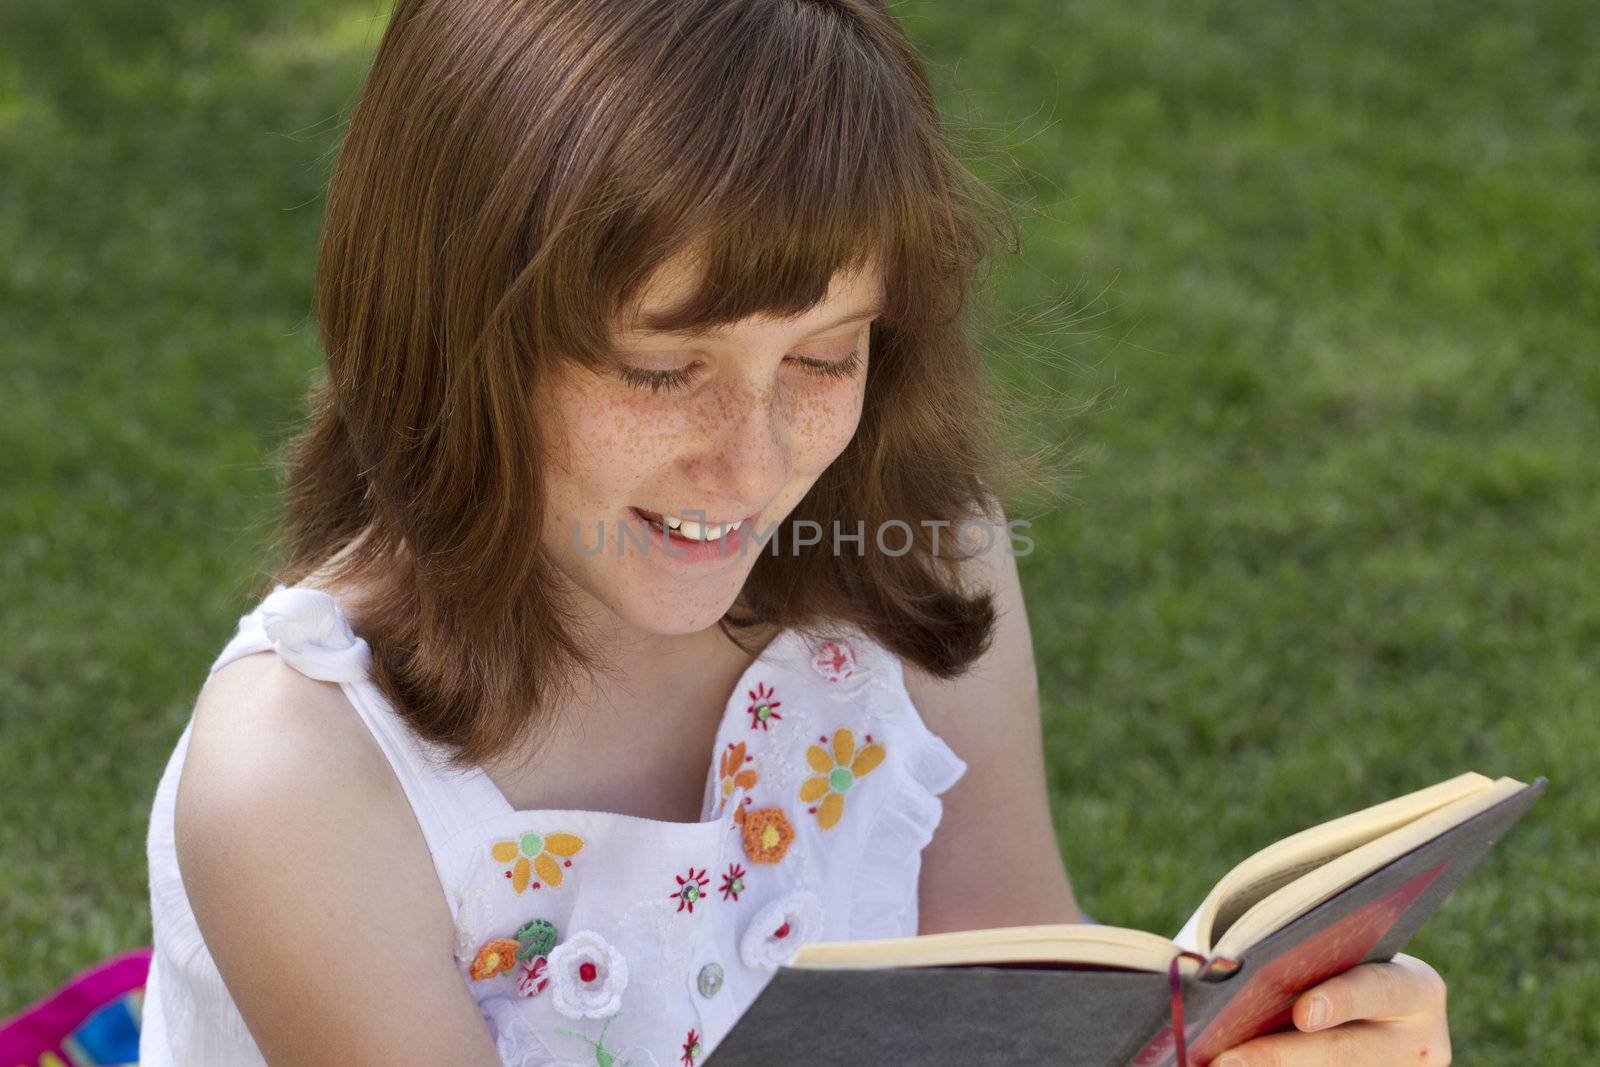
(45, 1025)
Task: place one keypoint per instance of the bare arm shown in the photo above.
(311, 882)
(994, 860)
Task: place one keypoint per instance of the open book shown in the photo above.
(1292, 915)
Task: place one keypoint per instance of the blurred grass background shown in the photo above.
(1339, 269)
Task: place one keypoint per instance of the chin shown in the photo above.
(667, 616)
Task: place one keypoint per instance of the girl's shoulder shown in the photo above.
(298, 849)
(257, 719)
(280, 769)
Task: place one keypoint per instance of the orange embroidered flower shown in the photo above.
(836, 773)
(533, 854)
(734, 773)
(494, 958)
(767, 834)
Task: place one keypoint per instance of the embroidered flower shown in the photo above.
(535, 976)
(835, 661)
(732, 882)
(779, 929)
(734, 773)
(537, 937)
(836, 773)
(691, 1049)
(767, 834)
(589, 974)
(690, 889)
(536, 854)
(494, 959)
(762, 705)
(632, 1056)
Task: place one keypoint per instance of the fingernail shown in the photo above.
(1230, 1060)
(1317, 1013)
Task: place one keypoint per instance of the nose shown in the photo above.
(742, 458)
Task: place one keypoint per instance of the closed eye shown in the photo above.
(658, 380)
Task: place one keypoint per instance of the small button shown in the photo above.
(710, 979)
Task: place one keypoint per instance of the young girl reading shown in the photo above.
(634, 627)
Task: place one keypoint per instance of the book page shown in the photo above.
(1284, 862)
(1065, 943)
(1295, 899)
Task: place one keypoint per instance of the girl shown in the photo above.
(616, 653)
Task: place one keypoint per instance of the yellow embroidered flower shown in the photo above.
(734, 773)
(533, 854)
(494, 958)
(836, 773)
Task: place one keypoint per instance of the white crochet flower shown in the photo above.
(779, 929)
(589, 975)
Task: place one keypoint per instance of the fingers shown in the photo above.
(1401, 987)
(1358, 1044)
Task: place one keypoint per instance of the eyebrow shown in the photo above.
(641, 323)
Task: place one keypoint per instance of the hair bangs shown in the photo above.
(772, 166)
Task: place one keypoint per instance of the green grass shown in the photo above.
(1333, 531)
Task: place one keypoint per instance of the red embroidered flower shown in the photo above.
(733, 882)
(533, 979)
(691, 1049)
(690, 889)
(761, 705)
(835, 661)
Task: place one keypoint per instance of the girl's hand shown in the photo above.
(1372, 1014)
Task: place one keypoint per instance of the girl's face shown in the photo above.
(748, 417)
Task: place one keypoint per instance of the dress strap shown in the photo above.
(307, 629)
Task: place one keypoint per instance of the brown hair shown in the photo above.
(511, 175)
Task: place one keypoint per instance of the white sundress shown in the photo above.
(583, 932)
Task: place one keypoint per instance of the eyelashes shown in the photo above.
(668, 380)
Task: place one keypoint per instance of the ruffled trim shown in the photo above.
(884, 900)
(933, 765)
(306, 628)
(519, 1043)
(516, 1040)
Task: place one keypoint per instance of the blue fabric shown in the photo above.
(110, 1035)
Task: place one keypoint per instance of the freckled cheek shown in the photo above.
(605, 441)
(823, 425)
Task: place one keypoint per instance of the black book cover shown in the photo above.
(976, 1015)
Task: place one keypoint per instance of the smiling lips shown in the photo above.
(688, 529)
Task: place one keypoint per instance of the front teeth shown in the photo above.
(694, 531)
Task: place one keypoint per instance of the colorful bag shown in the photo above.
(92, 1021)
